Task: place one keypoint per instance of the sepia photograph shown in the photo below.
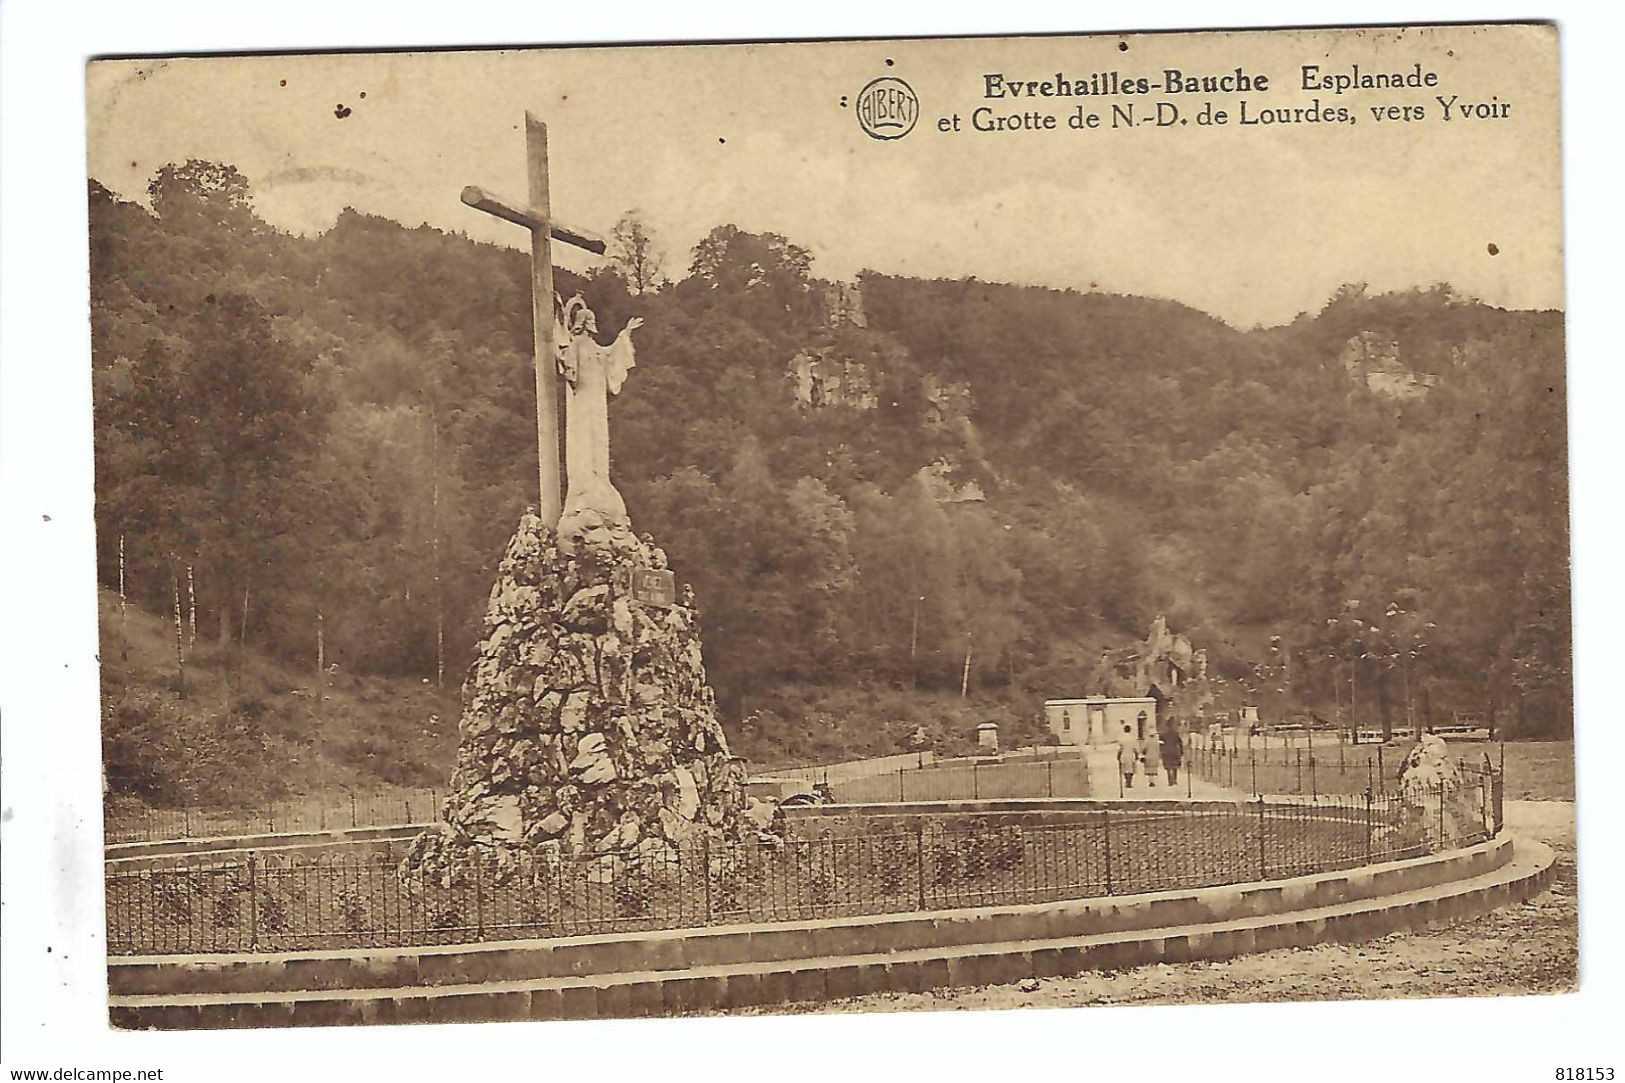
(834, 526)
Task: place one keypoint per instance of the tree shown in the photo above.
(200, 197)
(761, 276)
(634, 250)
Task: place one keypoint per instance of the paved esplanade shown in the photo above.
(1105, 782)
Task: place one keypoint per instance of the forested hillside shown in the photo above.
(314, 449)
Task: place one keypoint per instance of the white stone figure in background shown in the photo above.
(591, 373)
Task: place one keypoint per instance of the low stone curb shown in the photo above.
(729, 985)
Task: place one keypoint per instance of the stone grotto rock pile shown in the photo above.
(1435, 808)
(588, 727)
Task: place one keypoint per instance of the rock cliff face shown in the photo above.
(588, 727)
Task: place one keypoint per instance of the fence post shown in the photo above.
(1049, 779)
(1368, 827)
(919, 859)
(1106, 827)
(353, 821)
(1441, 818)
(1314, 789)
(705, 871)
(1263, 859)
(975, 781)
(899, 783)
(253, 904)
(1299, 787)
(1382, 769)
(1252, 756)
(479, 896)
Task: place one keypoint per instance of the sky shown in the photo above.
(1252, 224)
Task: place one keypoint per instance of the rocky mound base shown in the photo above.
(588, 727)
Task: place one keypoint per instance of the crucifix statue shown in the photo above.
(564, 347)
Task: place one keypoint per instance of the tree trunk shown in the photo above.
(224, 631)
(914, 651)
(191, 609)
(242, 634)
(1382, 706)
(123, 608)
(180, 650)
(434, 551)
(964, 679)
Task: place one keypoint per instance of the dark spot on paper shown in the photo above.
(721, 140)
(47, 518)
(1122, 46)
(890, 62)
(284, 82)
(341, 110)
(363, 93)
(843, 106)
(1492, 249)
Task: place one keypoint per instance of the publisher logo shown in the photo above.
(887, 108)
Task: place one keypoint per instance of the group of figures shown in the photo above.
(1156, 756)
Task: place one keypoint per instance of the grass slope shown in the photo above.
(249, 729)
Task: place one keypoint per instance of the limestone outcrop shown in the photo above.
(1165, 662)
(588, 727)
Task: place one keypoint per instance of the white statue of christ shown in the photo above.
(591, 373)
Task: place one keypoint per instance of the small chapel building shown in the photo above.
(1101, 720)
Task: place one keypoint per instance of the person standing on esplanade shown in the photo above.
(1127, 756)
(1173, 754)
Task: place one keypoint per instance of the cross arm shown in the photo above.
(519, 215)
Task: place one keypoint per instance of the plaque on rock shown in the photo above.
(654, 586)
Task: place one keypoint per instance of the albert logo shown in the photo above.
(887, 108)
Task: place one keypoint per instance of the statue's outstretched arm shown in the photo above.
(621, 357)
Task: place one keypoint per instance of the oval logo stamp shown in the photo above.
(887, 108)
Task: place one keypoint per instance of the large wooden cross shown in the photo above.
(537, 216)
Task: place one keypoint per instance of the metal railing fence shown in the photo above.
(1309, 771)
(269, 902)
(324, 813)
(970, 780)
